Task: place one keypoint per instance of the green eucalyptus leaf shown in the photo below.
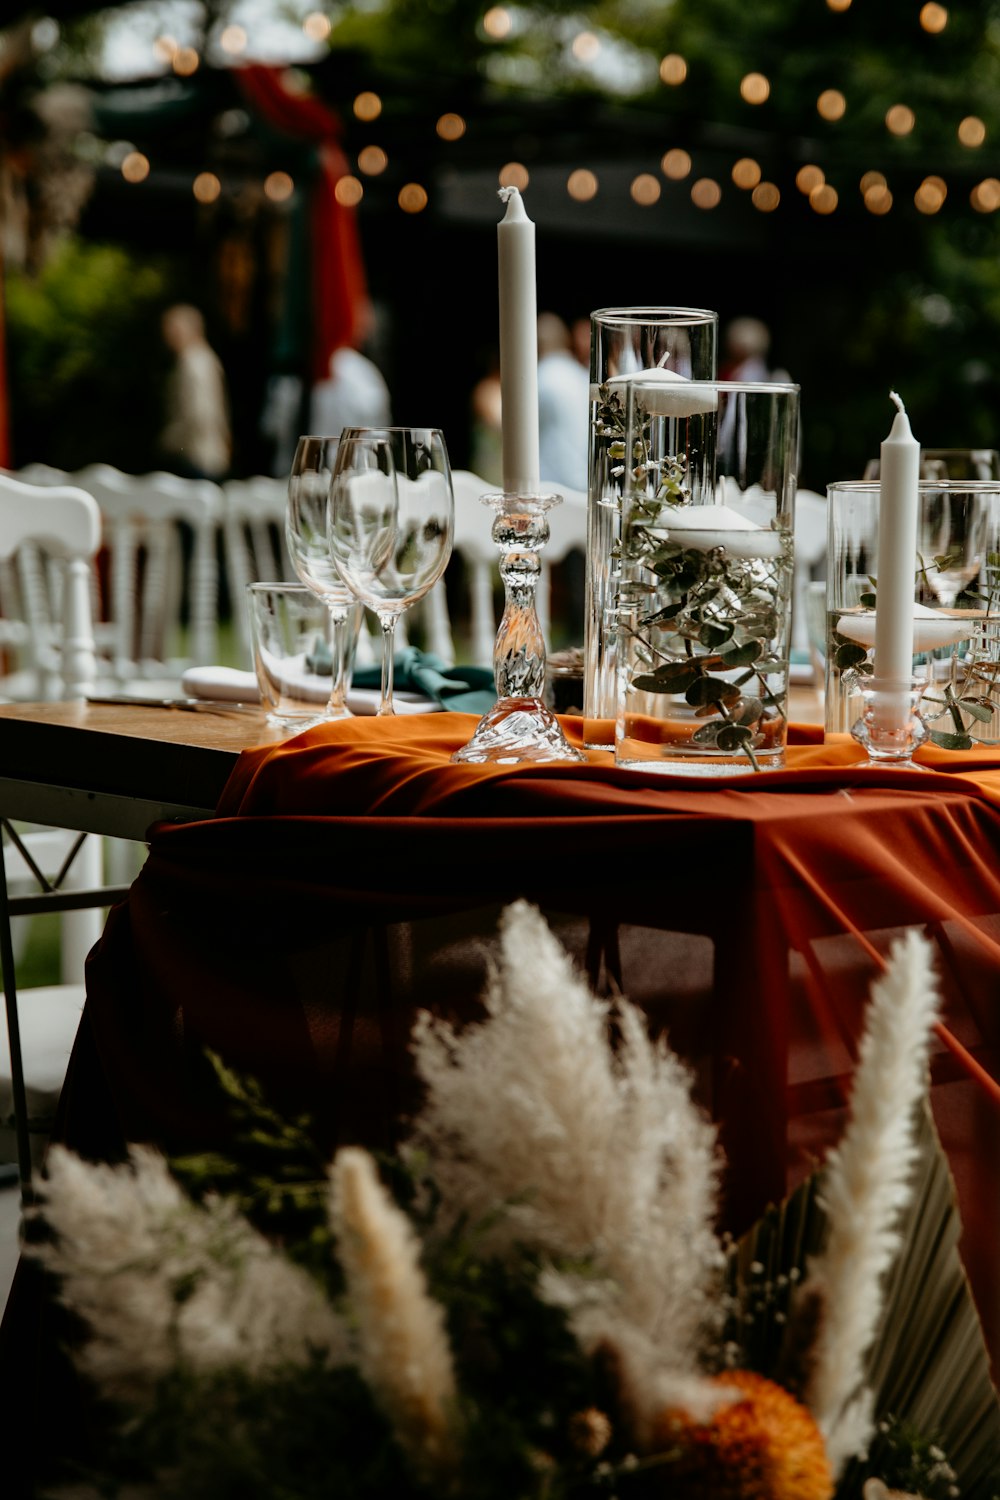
(951, 741)
(708, 734)
(749, 711)
(713, 635)
(734, 737)
(978, 710)
(851, 655)
(741, 656)
(711, 690)
(868, 600)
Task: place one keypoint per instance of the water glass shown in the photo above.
(290, 632)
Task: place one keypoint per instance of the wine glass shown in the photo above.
(391, 522)
(951, 539)
(309, 549)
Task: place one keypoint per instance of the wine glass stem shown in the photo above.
(388, 623)
(340, 650)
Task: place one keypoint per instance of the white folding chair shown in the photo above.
(144, 639)
(254, 544)
(63, 523)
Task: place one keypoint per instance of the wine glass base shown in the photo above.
(516, 731)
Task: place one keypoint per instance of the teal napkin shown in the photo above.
(464, 690)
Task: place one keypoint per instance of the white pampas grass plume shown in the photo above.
(592, 1153)
(866, 1185)
(163, 1282)
(403, 1352)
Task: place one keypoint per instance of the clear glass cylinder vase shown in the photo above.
(706, 576)
(624, 342)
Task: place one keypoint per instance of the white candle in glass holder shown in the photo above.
(897, 550)
(518, 347)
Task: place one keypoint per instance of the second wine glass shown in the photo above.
(309, 549)
(391, 523)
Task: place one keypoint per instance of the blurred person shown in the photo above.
(355, 393)
(563, 406)
(485, 437)
(579, 332)
(197, 438)
(746, 346)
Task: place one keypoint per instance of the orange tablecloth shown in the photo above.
(354, 874)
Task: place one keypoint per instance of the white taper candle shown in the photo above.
(518, 347)
(899, 472)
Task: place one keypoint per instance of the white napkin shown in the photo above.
(230, 685)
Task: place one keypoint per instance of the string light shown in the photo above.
(165, 48)
(933, 18)
(928, 197)
(582, 185)
(206, 187)
(367, 106)
(372, 160)
(972, 131)
(823, 199)
(412, 198)
(878, 199)
(278, 186)
(586, 46)
(450, 127)
(838, 5)
(809, 177)
(645, 189)
(233, 39)
(498, 23)
(514, 174)
(765, 197)
(755, 88)
(673, 69)
(746, 172)
(185, 62)
(348, 191)
(939, 183)
(985, 196)
(831, 105)
(676, 164)
(316, 26)
(900, 119)
(870, 180)
(135, 167)
(706, 193)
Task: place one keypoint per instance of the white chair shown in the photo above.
(63, 523)
(810, 558)
(143, 639)
(474, 544)
(255, 550)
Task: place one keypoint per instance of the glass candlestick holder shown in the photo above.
(890, 727)
(519, 727)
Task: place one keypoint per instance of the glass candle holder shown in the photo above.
(890, 727)
(624, 342)
(706, 586)
(956, 599)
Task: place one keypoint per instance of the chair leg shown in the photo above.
(14, 1040)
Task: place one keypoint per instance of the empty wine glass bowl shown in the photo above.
(950, 542)
(306, 533)
(391, 522)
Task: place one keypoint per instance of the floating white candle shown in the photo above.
(703, 527)
(518, 347)
(665, 393)
(932, 631)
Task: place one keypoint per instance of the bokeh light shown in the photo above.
(933, 18)
(831, 105)
(450, 127)
(808, 177)
(135, 167)
(900, 119)
(278, 186)
(676, 164)
(755, 88)
(823, 199)
(972, 131)
(939, 183)
(706, 193)
(185, 62)
(412, 198)
(765, 197)
(348, 191)
(673, 69)
(582, 185)
(498, 23)
(165, 48)
(367, 106)
(878, 199)
(870, 180)
(928, 198)
(206, 187)
(645, 189)
(372, 160)
(746, 172)
(838, 5)
(586, 46)
(233, 39)
(317, 26)
(514, 174)
(985, 196)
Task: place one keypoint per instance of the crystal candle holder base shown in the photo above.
(519, 728)
(890, 727)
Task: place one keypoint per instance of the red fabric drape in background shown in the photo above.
(339, 288)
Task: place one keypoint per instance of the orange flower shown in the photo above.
(763, 1446)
